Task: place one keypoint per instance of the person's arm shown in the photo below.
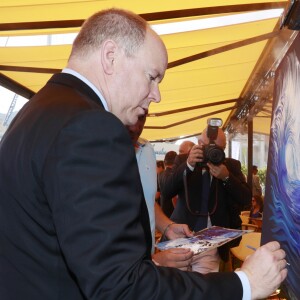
(176, 257)
(168, 228)
(233, 181)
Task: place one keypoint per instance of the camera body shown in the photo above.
(211, 152)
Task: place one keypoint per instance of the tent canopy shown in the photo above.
(212, 72)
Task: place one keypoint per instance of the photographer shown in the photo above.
(208, 193)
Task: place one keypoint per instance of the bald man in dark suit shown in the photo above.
(227, 192)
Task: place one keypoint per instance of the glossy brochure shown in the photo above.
(204, 240)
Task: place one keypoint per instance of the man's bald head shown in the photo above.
(185, 147)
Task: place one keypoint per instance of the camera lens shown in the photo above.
(214, 154)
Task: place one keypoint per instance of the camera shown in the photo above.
(211, 152)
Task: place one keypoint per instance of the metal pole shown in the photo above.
(250, 150)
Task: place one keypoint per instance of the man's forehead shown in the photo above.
(158, 53)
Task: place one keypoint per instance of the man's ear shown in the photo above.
(108, 55)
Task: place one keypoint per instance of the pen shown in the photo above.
(254, 249)
(250, 247)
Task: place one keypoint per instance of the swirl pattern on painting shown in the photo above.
(282, 205)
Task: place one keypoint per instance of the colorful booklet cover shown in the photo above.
(204, 240)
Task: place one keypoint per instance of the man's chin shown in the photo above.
(133, 121)
(129, 121)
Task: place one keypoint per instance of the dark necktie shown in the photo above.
(202, 220)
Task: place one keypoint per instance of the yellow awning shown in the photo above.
(214, 85)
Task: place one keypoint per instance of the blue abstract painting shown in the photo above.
(281, 219)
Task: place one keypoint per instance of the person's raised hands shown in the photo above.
(266, 269)
(218, 171)
(195, 155)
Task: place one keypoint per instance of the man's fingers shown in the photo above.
(180, 254)
(280, 254)
(283, 264)
(283, 274)
(186, 230)
(180, 250)
(272, 246)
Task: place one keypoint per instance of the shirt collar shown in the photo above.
(86, 81)
(141, 142)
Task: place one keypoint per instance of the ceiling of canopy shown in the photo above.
(223, 72)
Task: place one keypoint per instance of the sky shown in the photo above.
(6, 98)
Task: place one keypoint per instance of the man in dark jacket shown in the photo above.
(226, 191)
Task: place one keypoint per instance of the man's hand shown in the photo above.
(176, 231)
(195, 155)
(266, 269)
(179, 258)
(220, 171)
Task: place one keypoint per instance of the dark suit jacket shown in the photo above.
(229, 198)
(165, 203)
(73, 220)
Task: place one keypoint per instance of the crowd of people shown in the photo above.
(78, 186)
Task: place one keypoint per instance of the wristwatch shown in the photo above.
(225, 180)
